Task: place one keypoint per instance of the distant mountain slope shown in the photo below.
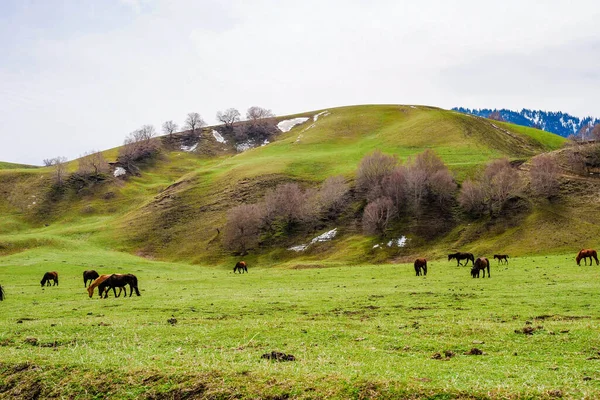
(562, 124)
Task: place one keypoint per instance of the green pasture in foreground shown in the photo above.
(356, 332)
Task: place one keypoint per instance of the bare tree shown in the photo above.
(138, 145)
(596, 132)
(377, 216)
(501, 183)
(228, 118)
(330, 197)
(395, 187)
(416, 187)
(194, 121)
(242, 229)
(169, 127)
(286, 203)
(372, 170)
(472, 198)
(59, 167)
(93, 163)
(256, 113)
(496, 116)
(544, 175)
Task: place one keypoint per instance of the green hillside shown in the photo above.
(173, 210)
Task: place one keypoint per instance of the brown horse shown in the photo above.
(501, 257)
(461, 256)
(50, 276)
(585, 254)
(240, 266)
(421, 264)
(97, 282)
(480, 265)
(89, 276)
(119, 281)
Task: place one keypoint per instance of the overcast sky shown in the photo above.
(78, 75)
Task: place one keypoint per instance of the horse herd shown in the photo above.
(483, 264)
(103, 282)
(113, 281)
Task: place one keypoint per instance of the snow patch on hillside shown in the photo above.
(119, 171)
(286, 125)
(218, 137)
(244, 146)
(324, 237)
(189, 149)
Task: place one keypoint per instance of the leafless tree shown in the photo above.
(501, 182)
(544, 175)
(496, 116)
(472, 198)
(372, 170)
(596, 132)
(228, 118)
(287, 204)
(377, 216)
(416, 187)
(93, 163)
(242, 229)
(330, 197)
(395, 187)
(59, 167)
(138, 145)
(256, 113)
(169, 127)
(194, 121)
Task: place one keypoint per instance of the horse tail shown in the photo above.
(425, 268)
(135, 285)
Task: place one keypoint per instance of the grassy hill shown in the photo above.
(172, 211)
(364, 327)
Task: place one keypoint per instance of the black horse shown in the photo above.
(90, 275)
(501, 257)
(240, 266)
(119, 281)
(2, 295)
(421, 266)
(481, 264)
(50, 276)
(462, 256)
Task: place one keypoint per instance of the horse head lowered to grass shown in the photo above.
(585, 254)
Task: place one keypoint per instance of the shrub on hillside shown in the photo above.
(372, 171)
(139, 145)
(93, 163)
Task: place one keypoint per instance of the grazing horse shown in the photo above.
(97, 282)
(461, 256)
(119, 281)
(585, 254)
(89, 276)
(2, 295)
(240, 266)
(501, 257)
(421, 264)
(480, 265)
(50, 276)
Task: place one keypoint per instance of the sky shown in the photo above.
(80, 75)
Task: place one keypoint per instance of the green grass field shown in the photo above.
(356, 332)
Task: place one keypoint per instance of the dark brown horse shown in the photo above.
(585, 254)
(90, 275)
(421, 265)
(501, 257)
(240, 266)
(119, 281)
(481, 264)
(462, 256)
(2, 295)
(50, 276)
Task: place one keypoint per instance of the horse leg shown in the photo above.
(488, 268)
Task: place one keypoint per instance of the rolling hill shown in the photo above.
(175, 208)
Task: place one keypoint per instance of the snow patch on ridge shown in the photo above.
(285, 126)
